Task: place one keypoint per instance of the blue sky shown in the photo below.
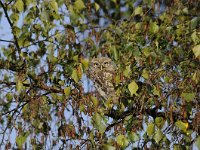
(5, 32)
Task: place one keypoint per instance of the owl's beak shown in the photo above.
(102, 67)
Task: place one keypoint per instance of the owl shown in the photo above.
(102, 72)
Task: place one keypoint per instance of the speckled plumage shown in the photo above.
(102, 71)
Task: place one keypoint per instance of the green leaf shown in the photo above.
(115, 53)
(194, 22)
(67, 91)
(21, 139)
(75, 76)
(185, 10)
(196, 51)
(85, 63)
(154, 27)
(23, 54)
(145, 74)
(61, 82)
(182, 125)
(19, 86)
(99, 123)
(73, 15)
(150, 129)
(79, 5)
(156, 91)
(75, 58)
(23, 41)
(138, 11)
(138, 26)
(188, 96)
(133, 136)
(195, 38)
(82, 107)
(177, 147)
(9, 97)
(54, 6)
(197, 142)
(16, 30)
(122, 140)
(127, 71)
(133, 87)
(158, 136)
(44, 16)
(31, 2)
(114, 1)
(14, 17)
(108, 147)
(19, 5)
(159, 122)
(146, 51)
(95, 101)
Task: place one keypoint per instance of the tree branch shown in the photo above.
(6, 41)
(11, 25)
(41, 86)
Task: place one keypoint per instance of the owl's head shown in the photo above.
(101, 63)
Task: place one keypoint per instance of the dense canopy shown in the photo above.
(47, 100)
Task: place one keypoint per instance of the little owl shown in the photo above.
(102, 71)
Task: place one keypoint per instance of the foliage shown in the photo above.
(44, 100)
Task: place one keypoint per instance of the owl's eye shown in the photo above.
(95, 64)
(106, 63)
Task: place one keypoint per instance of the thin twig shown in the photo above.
(12, 26)
(8, 41)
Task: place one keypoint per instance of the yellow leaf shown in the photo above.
(96, 6)
(67, 91)
(196, 51)
(133, 87)
(108, 147)
(159, 122)
(138, 11)
(79, 5)
(75, 58)
(182, 125)
(185, 10)
(85, 63)
(158, 136)
(156, 91)
(150, 129)
(196, 76)
(194, 37)
(54, 6)
(19, 5)
(122, 140)
(75, 76)
(61, 82)
(188, 96)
